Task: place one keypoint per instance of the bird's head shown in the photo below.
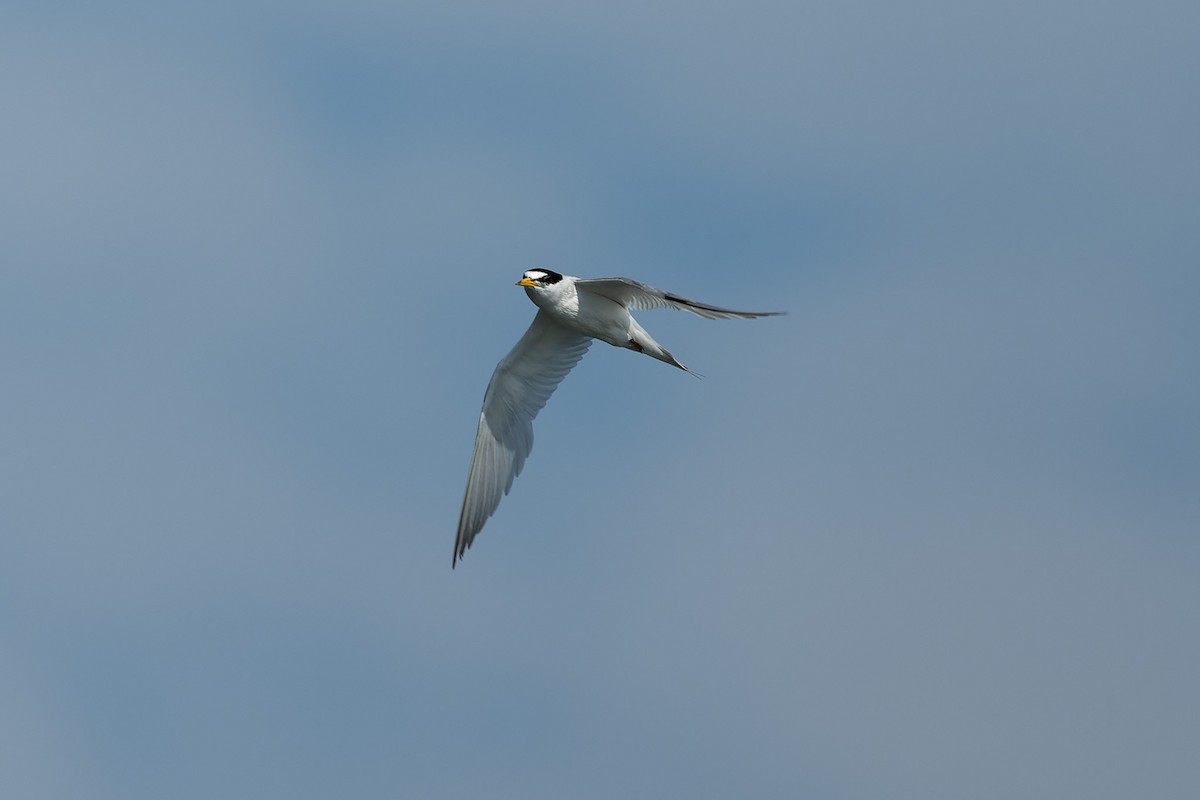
(539, 278)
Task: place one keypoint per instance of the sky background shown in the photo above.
(934, 534)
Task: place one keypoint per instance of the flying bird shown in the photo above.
(571, 312)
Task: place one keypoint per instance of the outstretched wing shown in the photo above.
(635, 295)
(522, 383)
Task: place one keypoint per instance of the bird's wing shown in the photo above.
(522, 383)
(634, 295)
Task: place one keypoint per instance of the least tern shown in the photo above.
(571, 312)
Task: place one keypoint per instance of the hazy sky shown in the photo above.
(933, 535)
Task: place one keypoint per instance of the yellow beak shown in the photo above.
(527, 282)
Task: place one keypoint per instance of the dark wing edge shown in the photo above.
(636, 295)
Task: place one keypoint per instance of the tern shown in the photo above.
(571, 313)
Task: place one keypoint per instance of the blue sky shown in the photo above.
(934, 534)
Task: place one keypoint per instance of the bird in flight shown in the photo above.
(571, 312)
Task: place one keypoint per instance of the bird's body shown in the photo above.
(571, 304)
(571, 312)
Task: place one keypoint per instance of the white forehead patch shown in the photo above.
(535, 274)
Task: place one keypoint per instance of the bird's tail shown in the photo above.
(642, 342)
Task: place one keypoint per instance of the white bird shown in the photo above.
(571, 312)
